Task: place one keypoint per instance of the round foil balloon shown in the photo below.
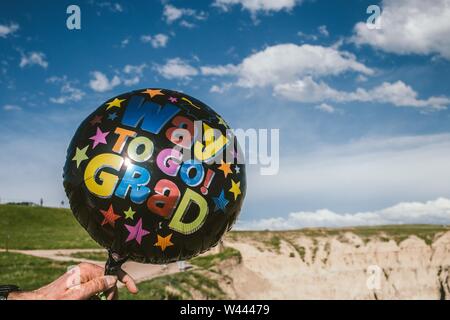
(155, 175)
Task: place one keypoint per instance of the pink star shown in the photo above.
(136, 232)
(100, 137)
(173, 99)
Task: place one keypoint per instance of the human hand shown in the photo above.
(79, 283)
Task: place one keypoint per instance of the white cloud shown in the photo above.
(220, 89)
(285, 63)
(325, 107)
(7, 30)
(133, 74)
(11, 107)
(219, 70)
(187, 24)
(435, 211)
(398, 93)
(129, 75)
(172, 14)
(68, 91)
(124, 42)
(111, 6)
(176, 68)
(101, 83)
(117, 7)
(361, 175)
(311, 37)
(157, 41)
(292, 71)
(258, 5)
(361, 78)
(33, 58)
(131, 81)
(131, 69)
(409, 27)
(323, 30)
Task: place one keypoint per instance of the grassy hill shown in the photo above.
(23, 227)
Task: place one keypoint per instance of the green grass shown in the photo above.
(29, 273)
(301, 250)
(183, 285)
(91, 255)
(190, 284)
(23, 227)
(274, 242)
(211, 260)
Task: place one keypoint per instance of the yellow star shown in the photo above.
(129, 213)
(225, 167)
(80, 155)
(153, 92)
(115, 103)
(235, 188)
(164, 242)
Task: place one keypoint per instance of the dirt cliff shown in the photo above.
(348, 264)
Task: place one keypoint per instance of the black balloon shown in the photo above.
(155, 176)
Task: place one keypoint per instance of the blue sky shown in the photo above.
(363, 114)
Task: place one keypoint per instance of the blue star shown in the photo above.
(220, 202)
(237, 169)
(112, 116)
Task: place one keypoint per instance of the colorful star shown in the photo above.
(225, 167)
(164, 242)
(173, 99)
(235, 188)
(153, 92)
(136, 232)
(129, 214)
(100, 137)
(237, 169)
(220, 201)
(112, 116)
(96, 120)
(115, 103)
(110, 216)
(80, 155)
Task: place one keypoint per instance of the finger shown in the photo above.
(92, 287)
(129, 282)
(89, 271)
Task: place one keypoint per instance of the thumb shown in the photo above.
(94, 286)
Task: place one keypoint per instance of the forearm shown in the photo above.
(23, 295)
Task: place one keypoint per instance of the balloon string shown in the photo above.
(112, 267)
(114, 263)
